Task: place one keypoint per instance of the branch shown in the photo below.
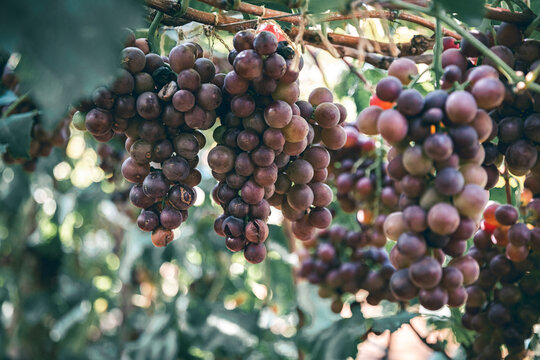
(416, 46)
(375, 14)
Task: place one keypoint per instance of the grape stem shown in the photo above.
(437, 51)
(507, 186)
(378, 174)
(152, 31)
(314, 56)
(359, 75)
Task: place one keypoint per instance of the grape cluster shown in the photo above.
(343, 263)
(354, 171)
(516, 118)
(160, 104)
(435, 159)
(42, 141)
(265, 153)
(502, 305)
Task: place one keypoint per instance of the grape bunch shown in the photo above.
(436, 159)
(516, 120)
(160, 104)
(502, 305)
(354, 171)
(343, 263)
(42, 141)
(266, 153)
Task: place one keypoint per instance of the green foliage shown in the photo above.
(15, 133)
(392, 322)
(470, 12)
(67, 48)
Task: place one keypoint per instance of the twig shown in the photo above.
(353, 70)
(314, 56)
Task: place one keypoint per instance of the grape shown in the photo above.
(278, 114)
(334, 138)
(320, 95)
(183, 100)
(392, 126)
(438, 147)
(433, 299)
(264, 85)
(509, 35)
(404, 69)
(265, 43)
(506, 215)
(235, 244)
(248, 64)
(461, 107)
(521, 157)
(401, 286)
(488, 92)
(98, 122)
(221, 159)
(125, 107)
(255, 253)
(296, 130)
(454, 57)
(367, 120)
(206, 69)
(187, 146)
(274, 139)
(388, 89)
(138, 198)
(449, 181)
(148, 105)
(252, 193)
(411, 245)
(275, 67)
(263, 156)
(256, 231)
(189, 79)
(133, 59)
(300, 197)
(327, 115)
(502, 52)
(286, 92)
(234, 84)
(155, 185)
(243, 40)
(103, 98)
(531, 127)
(415, 162)
(181, 58)
(300, 172)
(134, 172)
(162, 237)
(170, 218)
(483, 124)
(410, 102)
(322, 194)
(426, 273)
(468, 49)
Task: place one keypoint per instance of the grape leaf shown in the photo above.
(67, 47)
(341, 339)
(7, 97)
(392, 323)
(317, 6)
(15, 133)
(470, 12)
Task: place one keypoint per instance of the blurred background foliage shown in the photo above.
(78, 280)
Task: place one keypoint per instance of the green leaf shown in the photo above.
(7, 97)
(15, 132)
(470, 12)
(67, 47)
(318, 6)
(392, 323)
(341, 339)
